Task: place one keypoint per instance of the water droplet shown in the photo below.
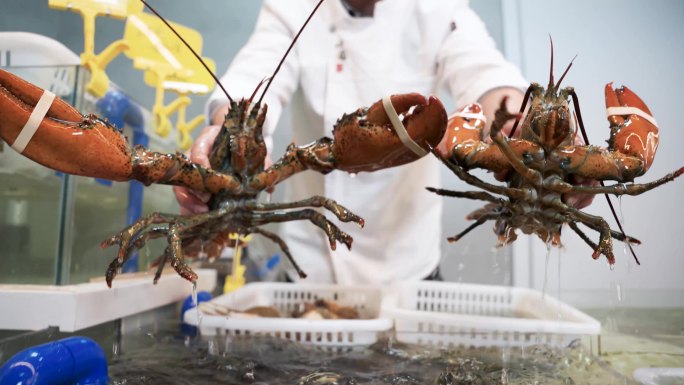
(213, 347)
(461, 267)
(619, 292)
(352, 175)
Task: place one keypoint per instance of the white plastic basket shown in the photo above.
(287, 297)
(454, 314)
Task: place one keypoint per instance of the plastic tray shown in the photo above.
(659, 376)
(287, 297)
(76, 307)
(453, 314)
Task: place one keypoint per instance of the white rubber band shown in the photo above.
(31, 126)
(469, 115)
(612, 111)
(399, 128)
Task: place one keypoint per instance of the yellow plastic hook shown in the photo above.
(169, 66)
(89, 10)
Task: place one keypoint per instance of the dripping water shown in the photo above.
(618, 288)
(118, 330)
(213, 347)
(625, 246)
(560, 314)
(546, 281)
(546, 270)
(505, 360)
(197, 309)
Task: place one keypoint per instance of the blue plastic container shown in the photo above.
(73, 360)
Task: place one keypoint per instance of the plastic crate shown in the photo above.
(288, 297)
(453, 314)
(659, 376)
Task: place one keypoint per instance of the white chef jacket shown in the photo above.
(341, 63)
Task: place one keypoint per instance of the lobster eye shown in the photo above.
(527, 158)
(565, 163)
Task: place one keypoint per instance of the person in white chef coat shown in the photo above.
(351, 54)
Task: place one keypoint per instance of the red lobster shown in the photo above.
(57, 136)
(544, 163)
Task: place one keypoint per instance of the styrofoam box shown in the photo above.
(287, 297)
(455, 314)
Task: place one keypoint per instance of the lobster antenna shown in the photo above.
(610, 204)
(191, 50)
(289, 49)
(526, 98)
(551, 68)
(261, 83)
(566, 72)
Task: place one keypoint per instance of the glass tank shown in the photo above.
(52, 224)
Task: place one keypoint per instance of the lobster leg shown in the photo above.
(283, 246)
(66, 141)
(501, 117)
(558, 185)
(591, 243)
(481, 220)
(137, 244)
(177, 258)
(340, 212)
(331, 230)
(178, 227)
(617, 235)
(582, 235)
(476, 195)
(511, 192)
(161, 263)
(605, 245)
(126, 236)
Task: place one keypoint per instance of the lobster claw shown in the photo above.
(63, 140)
(464, 127)
(634, 131)
(57, 136)
(366, 140)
